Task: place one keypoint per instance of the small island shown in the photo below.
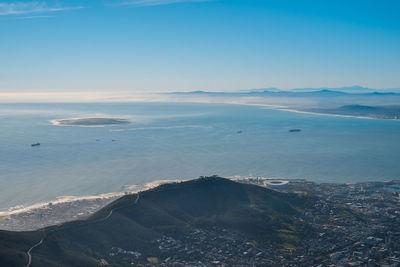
(90, 122)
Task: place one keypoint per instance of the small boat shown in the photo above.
(36, 144)
(239, 132)
(295, 130)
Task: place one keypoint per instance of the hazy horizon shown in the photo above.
(151, 46)
(129, 96)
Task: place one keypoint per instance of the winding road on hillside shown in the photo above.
(103, 219)
(29, 252)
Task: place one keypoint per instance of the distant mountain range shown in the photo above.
(137, 223)
(353, 101)
(355, 90)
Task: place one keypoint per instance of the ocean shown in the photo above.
(181, 141)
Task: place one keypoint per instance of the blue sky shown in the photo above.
(178, 45)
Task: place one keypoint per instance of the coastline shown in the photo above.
(71, 208)
(331, 114)
(57, 123)
(284, 108)
(288, 109)
(79, 207)
(60, 200)
(64, 208)
(75, 121)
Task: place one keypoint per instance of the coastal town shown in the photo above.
(354, 225)
(64, 209)
(52, 213)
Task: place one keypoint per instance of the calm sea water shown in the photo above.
(175, 141)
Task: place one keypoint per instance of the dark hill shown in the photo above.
(381, 112)
(134, 222)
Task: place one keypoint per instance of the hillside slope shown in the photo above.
(135, 222)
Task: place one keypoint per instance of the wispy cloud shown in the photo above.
(37, 17)
(21, 8)
(159, 2)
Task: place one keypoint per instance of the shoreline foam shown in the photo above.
(64, 208)
(131, 189)
(331, 114)
(71, 208)
(285, 108)
(117, 121)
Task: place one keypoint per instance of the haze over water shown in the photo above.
(179, 141)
